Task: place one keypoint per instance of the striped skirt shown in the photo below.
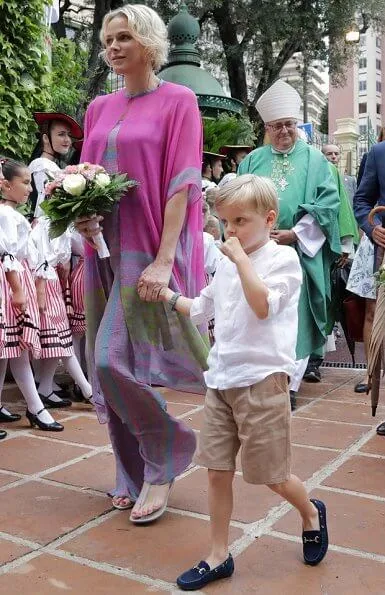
(20, 330)
(55, 332)
(77, 318)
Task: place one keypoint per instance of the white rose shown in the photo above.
(102, 180)
(74, 184)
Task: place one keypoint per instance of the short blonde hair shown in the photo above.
(147, 28)
(248, 188)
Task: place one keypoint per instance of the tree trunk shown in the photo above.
(233, 51)
(59, 28)
(97, 70)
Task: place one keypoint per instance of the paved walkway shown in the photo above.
(58, 533)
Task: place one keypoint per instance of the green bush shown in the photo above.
(23, 73)
(227, 130)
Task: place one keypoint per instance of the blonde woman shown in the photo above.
(150, 130)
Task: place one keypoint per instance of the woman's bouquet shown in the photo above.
(82, 190)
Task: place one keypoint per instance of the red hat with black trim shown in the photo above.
(226, 149)
(41, 118)
(211, 155)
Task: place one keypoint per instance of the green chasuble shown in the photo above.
(346, 219)
(305, 186)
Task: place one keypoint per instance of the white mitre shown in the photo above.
(279, 101)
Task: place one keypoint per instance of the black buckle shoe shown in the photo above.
(316, 543)
(34, 420)
(201, 574)
(52, 403)
(3, 434)
(381, 429)
(8, 417)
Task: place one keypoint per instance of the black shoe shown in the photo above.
(361, 387)
(3, 434)
(8, 417)
(316, 543)
(201, 574)
(293, 400)
(63, 393)
(78, 395)
(312, 374)
(53, 404)
(34, 420)
(381, 429)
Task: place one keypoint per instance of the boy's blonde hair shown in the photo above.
(147, 28)
(248, 188)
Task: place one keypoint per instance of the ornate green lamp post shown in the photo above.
(184, 67)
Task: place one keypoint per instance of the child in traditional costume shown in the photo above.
(20, 325)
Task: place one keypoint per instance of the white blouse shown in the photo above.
(212, 254)
(50, 252)
(15, 240)
(77, 243)
(40, 168)
(248, 349)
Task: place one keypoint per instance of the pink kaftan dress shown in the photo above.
(154, 138)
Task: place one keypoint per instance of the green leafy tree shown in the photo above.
(67, 88)
(252, 40)
(23, 73)
(324, 124)
(260, 36)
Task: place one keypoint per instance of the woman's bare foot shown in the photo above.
(122, 502)
(151, 498)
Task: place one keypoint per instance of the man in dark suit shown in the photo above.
(370, 192)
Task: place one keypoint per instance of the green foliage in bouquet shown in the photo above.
(63, 208)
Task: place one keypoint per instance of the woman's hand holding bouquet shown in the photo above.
(78, 195)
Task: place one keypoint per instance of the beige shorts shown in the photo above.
(256, 418)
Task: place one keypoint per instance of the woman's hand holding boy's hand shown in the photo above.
(153, 279)
(165, 294)
(233, 250)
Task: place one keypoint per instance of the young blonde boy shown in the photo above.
(254, 299)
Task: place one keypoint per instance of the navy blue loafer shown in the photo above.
(201, 574)
(316, 543)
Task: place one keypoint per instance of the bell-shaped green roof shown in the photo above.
(184, 67)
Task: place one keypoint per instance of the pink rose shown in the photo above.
(71, 169)
(88, 174)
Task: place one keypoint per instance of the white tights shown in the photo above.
(22, 373)
(77, 341)
(47, 371)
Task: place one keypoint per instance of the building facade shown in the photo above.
(315, 85)
(362, 97)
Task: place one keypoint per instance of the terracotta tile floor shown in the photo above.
(59, 534)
